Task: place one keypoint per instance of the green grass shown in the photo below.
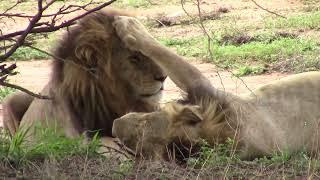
(309, 20)
(47, 143)
(282, 48)
(222, 160)
(310, 62)
(4, 5)
(26, 53)
(189, 47)
(51, 149)
(4, 91)
(43, 42)
(221, 154)
(133, 3)
(243, 70)
(251, 57)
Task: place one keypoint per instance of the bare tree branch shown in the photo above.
(57, 27)
(5, 71)
(35, 25)
(21, 39)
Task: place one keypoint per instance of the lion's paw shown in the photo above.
(131, 32)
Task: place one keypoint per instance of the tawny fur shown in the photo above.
(95, 79)
(281, 116)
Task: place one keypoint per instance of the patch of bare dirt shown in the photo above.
(215, 5)
(238, 12)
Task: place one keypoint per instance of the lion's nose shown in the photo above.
(160, 78)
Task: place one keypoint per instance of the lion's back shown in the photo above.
(292, 106)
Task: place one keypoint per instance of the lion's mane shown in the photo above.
(91, 90)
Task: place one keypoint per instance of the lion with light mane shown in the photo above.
(95, 79)
(281, 116)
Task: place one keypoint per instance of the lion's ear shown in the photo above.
(190, 115)
(88, 50)
(85, 52)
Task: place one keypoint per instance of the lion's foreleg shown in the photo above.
(137, 38)
(182, 73)
(14, 107)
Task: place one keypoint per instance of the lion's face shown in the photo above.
(126, 72)
(142, 132)
(149, 134)
(143, 77)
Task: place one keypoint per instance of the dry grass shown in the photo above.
(81, 167)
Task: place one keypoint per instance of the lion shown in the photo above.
(95, 79)
(281, 116)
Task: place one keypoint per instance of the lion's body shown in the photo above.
(94, 80)
(47, 114)
(281, 116)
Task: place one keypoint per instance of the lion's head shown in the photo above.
(153, 135)
(175, 128)
(99, 78)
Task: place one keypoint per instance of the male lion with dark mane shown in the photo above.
(281, 116)
(95, 79)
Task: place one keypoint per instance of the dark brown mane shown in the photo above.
(93, 94)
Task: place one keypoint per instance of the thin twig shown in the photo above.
(116, 150)
(61, 59)
(210, 40)
(10, 8)
(3, 83)
(61, 11)
(265, 9)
